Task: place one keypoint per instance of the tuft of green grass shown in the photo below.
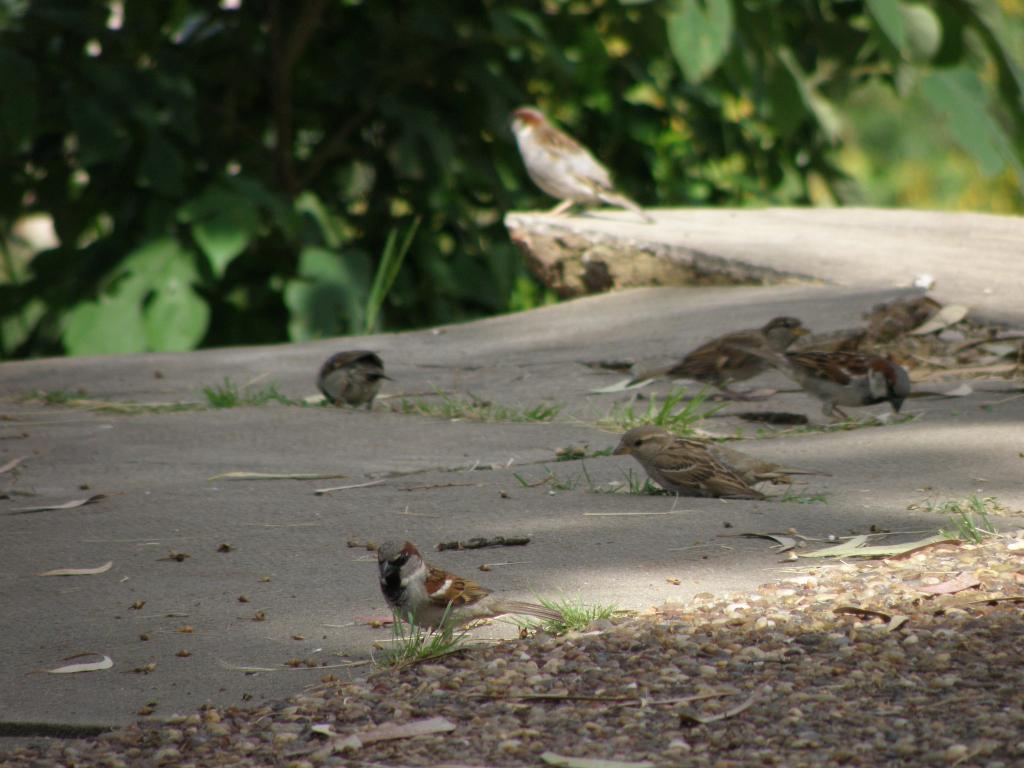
(576, 616)
(55, 396)
(390, 263)
(641, 485)
(789, 497)
(411, 644)
(229, 395)
(840, 426)
(676, 419)
(969, 518)
(474, 409)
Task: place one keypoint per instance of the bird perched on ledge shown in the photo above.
(433, 597)
(351, 378)
(562, 167)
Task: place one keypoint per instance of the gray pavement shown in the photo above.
(442, 480)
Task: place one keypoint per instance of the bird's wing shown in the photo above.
(718, 355)
(445, 588)
(691, 463)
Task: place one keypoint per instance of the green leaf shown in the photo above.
(150, 305)
(889, 17)
(110, 325)
(328, 297)
(699, 35)
(176, 318)
(161, 167)
(224, 222)
(924, 32)
(18, 88)
(960, 96)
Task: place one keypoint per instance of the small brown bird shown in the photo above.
(686, 467)
(351, 378)
(562, 167)
(432, 596)
(848, 378)
(732, 357)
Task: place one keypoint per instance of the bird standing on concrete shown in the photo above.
(433, 597)
(732, 357)
(686, 467)
(562, 167)
(847, 378)
(351, 378)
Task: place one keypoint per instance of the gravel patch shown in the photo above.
(847, 664)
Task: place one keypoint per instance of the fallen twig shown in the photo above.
(322, 491)
(480, 542)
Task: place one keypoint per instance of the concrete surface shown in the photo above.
(976, 259)
(442, 480)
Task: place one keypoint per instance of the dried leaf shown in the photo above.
(274, 476)
(785, 543)
(958, 583)
(12, 464)
(91, 666)
(897, 621)
(864, 613)
(79, 571)
(948, 315)
(566, 761)
(390, 731)
(961, 391)
(855, 548)
(686, 716)
(621, 386)
(66, 505)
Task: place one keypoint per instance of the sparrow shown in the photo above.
(562, 167)
(848, 378)
(683, 466)
(431, 596)
(729, 358)
(351, 378)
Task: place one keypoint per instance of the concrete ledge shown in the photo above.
(975, 259)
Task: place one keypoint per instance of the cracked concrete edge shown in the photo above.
(975, 259)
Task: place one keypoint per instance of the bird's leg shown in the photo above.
(747, 395)
(561, 208)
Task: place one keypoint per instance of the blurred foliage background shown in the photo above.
(191, 173)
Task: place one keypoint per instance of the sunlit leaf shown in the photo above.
(923, 31)
(889, 17)
(329, 297)
(961, 97)
(223, 224)
(110, 325)
(700, 35)
(176, 318)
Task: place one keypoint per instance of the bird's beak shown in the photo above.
(800, 332)
(896, 404)
(620, 450)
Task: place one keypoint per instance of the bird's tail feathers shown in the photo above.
(531, 609)
(614, 198)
